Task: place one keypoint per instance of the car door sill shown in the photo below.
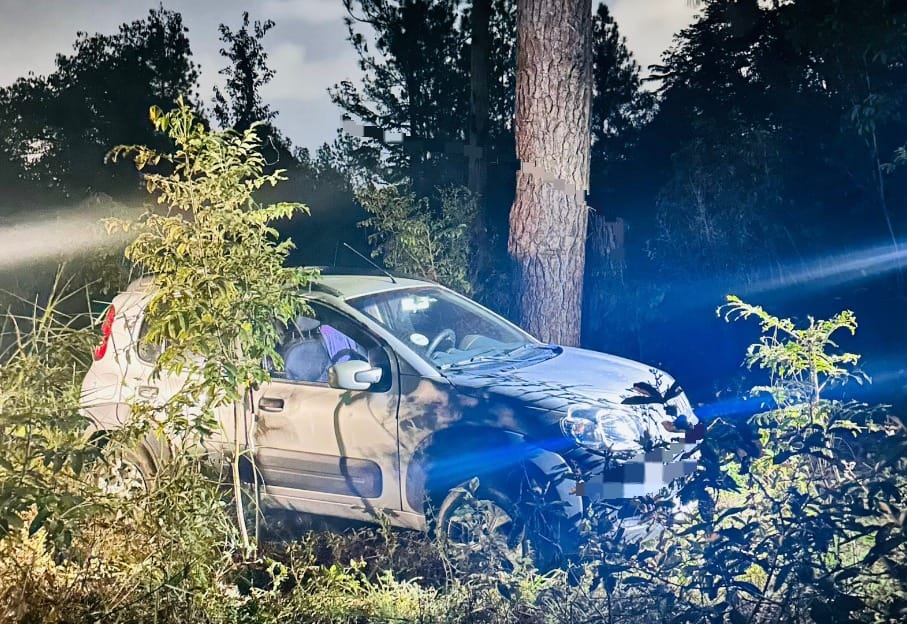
(294, 500)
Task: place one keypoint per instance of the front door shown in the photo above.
(324, 450)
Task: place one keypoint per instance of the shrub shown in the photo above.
(42, 443)
(416, 238)
(801, 513)
(220, 287)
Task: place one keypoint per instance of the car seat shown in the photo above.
(305, 356)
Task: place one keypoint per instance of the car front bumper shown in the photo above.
(645, 474)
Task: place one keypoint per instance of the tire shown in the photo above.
(134, 474)
(127, 472)
(505, 518)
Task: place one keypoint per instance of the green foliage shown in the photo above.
(246, 75)
(72, 547)
(619, 105)
(416, 81)
(214, 256)
(110, 80)
(840, 82)
(799, 514)
(240, 105)
(220, 288)
(798, 520)
(798, 359)
(164, 550)
(715, 213)
(414, 238)
(43, 449)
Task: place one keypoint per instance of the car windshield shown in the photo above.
(443, 328)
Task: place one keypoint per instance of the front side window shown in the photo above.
(310, 345)
(443, 328)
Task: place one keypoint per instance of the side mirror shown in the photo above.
(353, 375)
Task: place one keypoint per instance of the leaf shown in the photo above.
(748, 587)
(38, 521)
(647, 389)
(782, 457)
(782, 575)
(732, 511)
(674, 391)
(75, 461)
(733, 534)
(847, 574)
(883, 547)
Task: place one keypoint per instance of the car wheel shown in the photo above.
(127, 473)
(508, 519)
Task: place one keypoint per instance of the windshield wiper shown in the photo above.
(502, 357)
(530, 345)
(476, 359)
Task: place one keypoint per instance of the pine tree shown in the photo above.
(549, 218)
(619, 104)
(240, 105)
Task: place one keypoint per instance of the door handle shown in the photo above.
(147, 392)
(270, 404)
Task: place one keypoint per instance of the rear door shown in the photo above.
(321, 449)
(140, 358)
(145, 386)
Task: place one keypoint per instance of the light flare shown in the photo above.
(839, 269)
(58, 234)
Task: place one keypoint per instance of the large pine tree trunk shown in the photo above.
(549, 217)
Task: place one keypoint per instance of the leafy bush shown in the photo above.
(71, 548)
(797, 515)
(217, 268)
(801, 511)
(169, 552)
(42, 443)
(416, 238)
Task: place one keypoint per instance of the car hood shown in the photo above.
(569, 376)
(551, 381)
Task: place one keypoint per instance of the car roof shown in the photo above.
(343, 286)
(351, 286)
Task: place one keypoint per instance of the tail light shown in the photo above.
(106, 330)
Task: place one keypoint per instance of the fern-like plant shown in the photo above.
(414, 238)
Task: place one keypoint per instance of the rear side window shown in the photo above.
(147, 351)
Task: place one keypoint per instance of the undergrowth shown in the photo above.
(797, 515)
(799, 518)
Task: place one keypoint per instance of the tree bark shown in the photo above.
(549, 218)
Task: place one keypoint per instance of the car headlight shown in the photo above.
(604, 429)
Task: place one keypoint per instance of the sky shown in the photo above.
(307, 48)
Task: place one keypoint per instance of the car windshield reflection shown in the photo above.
(446, 330)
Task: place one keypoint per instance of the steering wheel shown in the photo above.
(436, 341)
(351, 354)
